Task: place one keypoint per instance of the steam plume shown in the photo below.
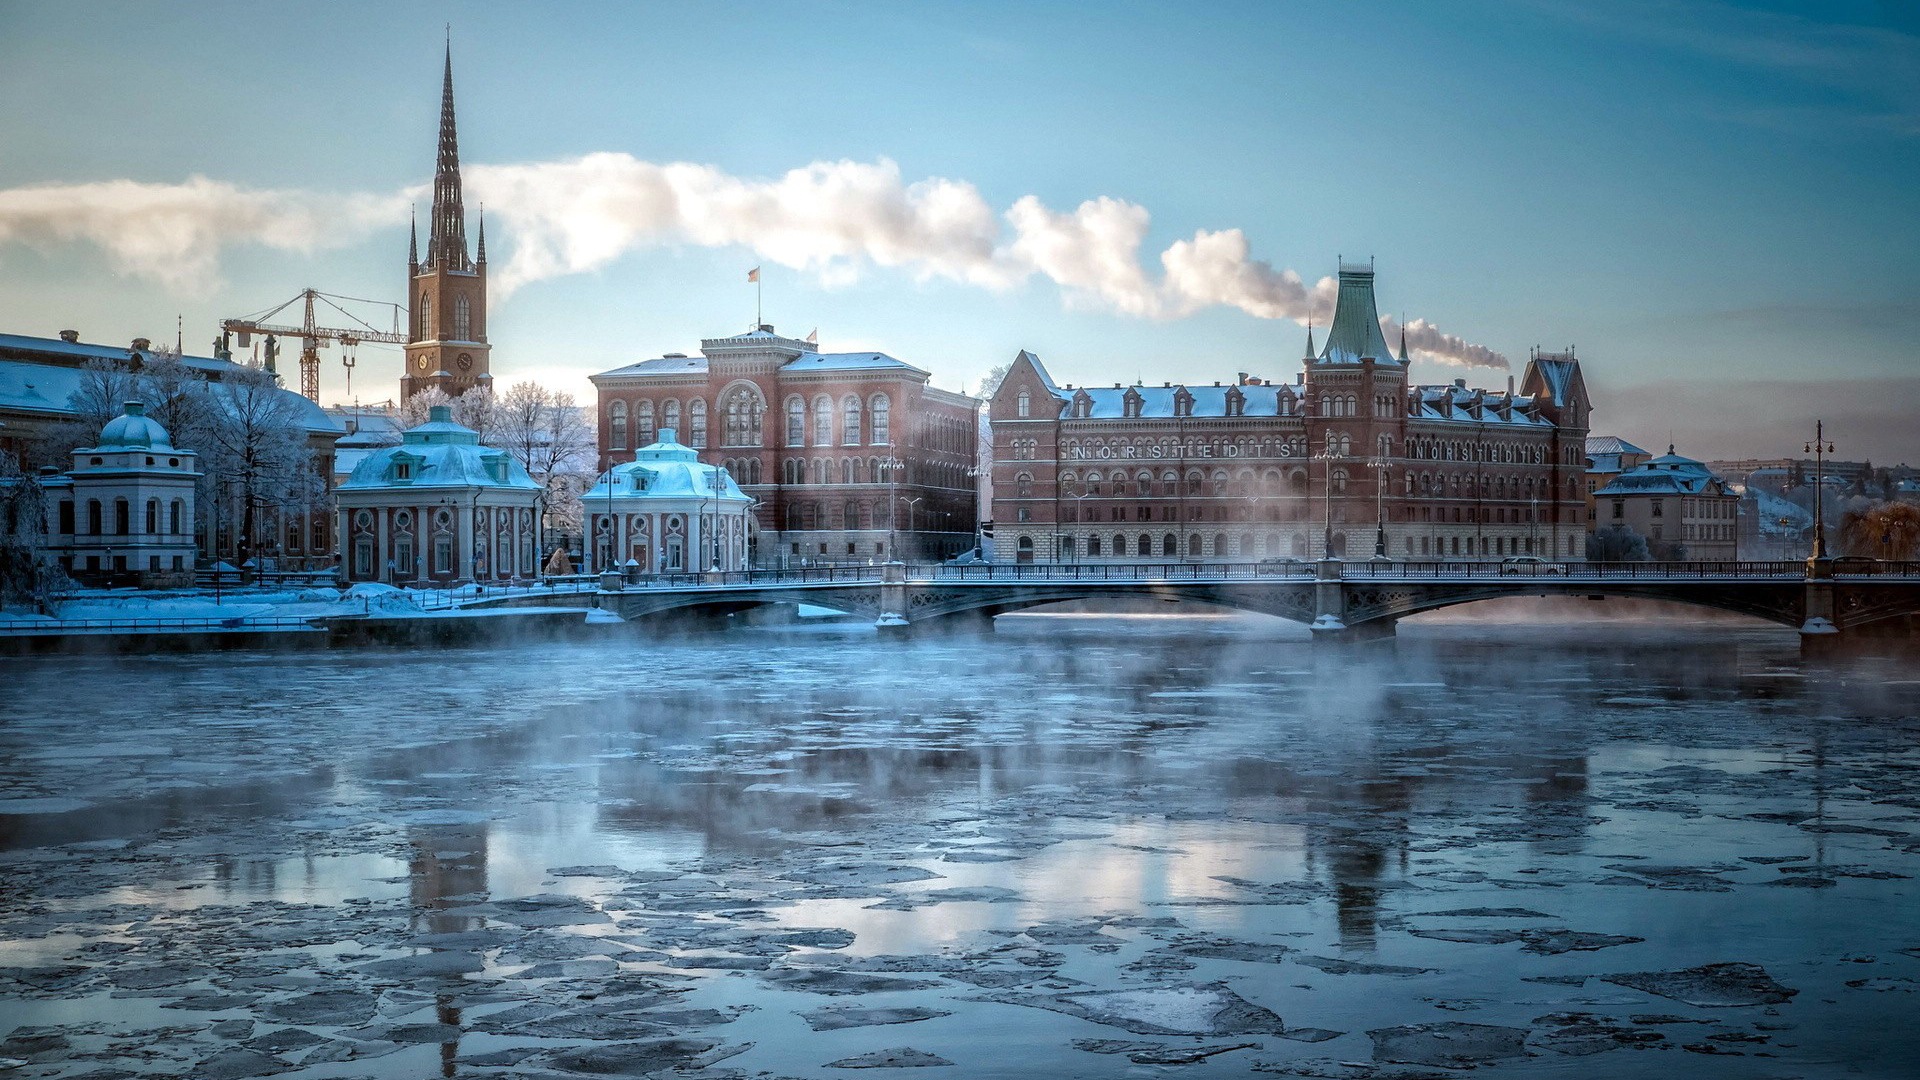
(834, 219)
(173, 233)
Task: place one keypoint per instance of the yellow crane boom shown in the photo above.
(313, 337)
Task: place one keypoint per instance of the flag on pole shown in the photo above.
(753, 275)
(814, 337)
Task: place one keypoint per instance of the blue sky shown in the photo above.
(1714, 202)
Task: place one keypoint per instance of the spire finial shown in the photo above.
(413, 236)
(1403, 337)
(1309, 355)
(480, 249)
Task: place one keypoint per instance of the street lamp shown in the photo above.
(1819, 448)
(1379, 465)
(892, 465)
(1326, 488)
(910, 505)
(1079, 517)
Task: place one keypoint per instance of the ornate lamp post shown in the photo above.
(1379, 466)
(910, 505)
(1326, 490)
(1079, 517)
(1820, 447)
(892, 465)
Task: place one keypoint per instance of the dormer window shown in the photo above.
(1236, 402)
(1183, 403)
(1082, 405)
(1131, 405)
(403, 470)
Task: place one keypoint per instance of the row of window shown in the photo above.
(174, 515)
(462, 318)
(1272, 482)
(694, 434)
(1276, 545)
(912, 471)
(877, 410)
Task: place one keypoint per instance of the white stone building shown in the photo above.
(667, 512)
(126, 506)
(439, 508)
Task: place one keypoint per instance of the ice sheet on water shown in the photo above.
(1711, 986)
(1207, 1009)
(899, 1057)
(836, 1017)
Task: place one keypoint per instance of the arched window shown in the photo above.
(670, 417)
(427, 329)
(643, 423)
(1170, 546)
(1023, 485)
(1194, 545)
(823, 421)
(850, 421)
(462, 320)
(121, 517)
(175, 518)
(697, 420)
(879, 407)
(1119, 546)
(741, 410)
(153, 516)
(796, 422)
(1339, 481)
(93, 517)
(617, 426)
(1146, 545)
(1023, 404)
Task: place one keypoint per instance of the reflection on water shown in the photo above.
(772, 851)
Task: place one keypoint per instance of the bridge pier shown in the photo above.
(895, 606)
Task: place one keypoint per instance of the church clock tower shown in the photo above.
(447, 292)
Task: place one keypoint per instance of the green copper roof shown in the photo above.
(1356, 322)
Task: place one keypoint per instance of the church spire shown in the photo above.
(447, 242)
(480, 251)
(1403, 338)
(413, 240)
(1309, 337)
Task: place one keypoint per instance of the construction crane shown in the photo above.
(312, 337)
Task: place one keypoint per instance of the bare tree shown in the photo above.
(1889, 530)
(259, 452)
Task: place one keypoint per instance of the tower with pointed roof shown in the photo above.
(447, 290)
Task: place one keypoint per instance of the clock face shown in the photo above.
(465, 361)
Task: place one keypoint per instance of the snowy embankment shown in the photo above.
(127, 610)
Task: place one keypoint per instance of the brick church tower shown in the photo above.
(447, 292)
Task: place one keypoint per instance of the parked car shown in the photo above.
(1530, 566)
(1281, 565)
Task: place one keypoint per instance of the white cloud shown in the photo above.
(835, 219)
(173, 233)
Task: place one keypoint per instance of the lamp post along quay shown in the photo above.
(1818, 564)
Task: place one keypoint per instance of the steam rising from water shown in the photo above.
(833, 219)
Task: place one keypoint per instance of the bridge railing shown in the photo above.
(1090, 571)
(1664, 571)
(26, 628)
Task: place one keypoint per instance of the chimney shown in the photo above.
(1509, 386)
(70, 336)
(1460, 384)
(141, 344)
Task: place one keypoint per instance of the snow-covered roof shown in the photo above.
(667, 366)
(1670, 473)
(848, 362)
(439, 454)
(1610, 444)
(42, 374)
(1775, 516)
(667, 470)
(1455, 402)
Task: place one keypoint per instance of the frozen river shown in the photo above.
(1080, 846)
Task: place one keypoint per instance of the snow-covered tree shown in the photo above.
(475, 409)
(549, 436)
(29, 576)
(259, 454)
(1616, 543)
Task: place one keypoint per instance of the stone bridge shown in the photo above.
(1337, 600)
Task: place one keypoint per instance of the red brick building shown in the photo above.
(851, 457)
(1348, 458)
